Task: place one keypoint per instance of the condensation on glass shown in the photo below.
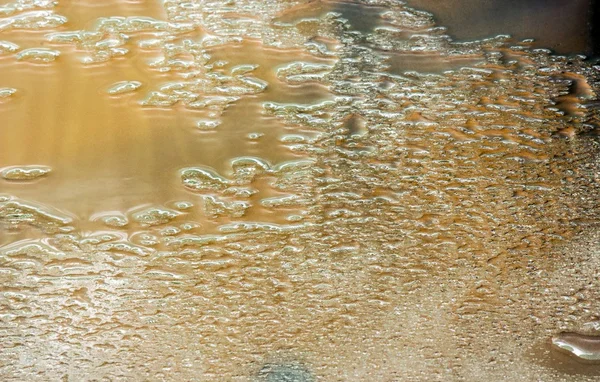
(291, 190)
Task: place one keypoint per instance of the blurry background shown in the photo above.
(566, 26)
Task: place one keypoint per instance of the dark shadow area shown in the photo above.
(565, 26)
(594, 27)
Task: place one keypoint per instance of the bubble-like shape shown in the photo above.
(123, 87)
(38, 55)
(207, 124)
(152, 216)
(203, 179)
(24, 172)
(7, 92)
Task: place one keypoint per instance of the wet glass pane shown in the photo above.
(299, 190)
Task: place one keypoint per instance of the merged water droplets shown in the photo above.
(15, 213)
(32, 20)
(24, 172)
(38, 55)
(251, 176)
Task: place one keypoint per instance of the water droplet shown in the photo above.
(203, 179)
(38, 55)
(207, 124)
(124, 87)
(7, 92)
(584, 347)
(24, 172)
(152, 216)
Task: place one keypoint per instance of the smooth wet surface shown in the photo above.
(564, 26)
(290, 191)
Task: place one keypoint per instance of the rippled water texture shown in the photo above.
(292, 191)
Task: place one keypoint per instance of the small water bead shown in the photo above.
(243, 69)
(24, 172)
(207, 124)
(111, 219)
(124, 87)
(145, 239)
(113, 42)
(189, 226)
(170, 231)
(7, 92)
(216, 111)
(115, 221)
(293, 138)
(66, 229)
(150, 44)
(38, 55)
(294, 218)
(254, 83)
(183, 205)
(255, 136)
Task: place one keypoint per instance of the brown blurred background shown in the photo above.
(566, 26)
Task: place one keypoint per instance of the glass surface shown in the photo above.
(298, 190)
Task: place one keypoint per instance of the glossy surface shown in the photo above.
(290, 191)
(564, 26)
